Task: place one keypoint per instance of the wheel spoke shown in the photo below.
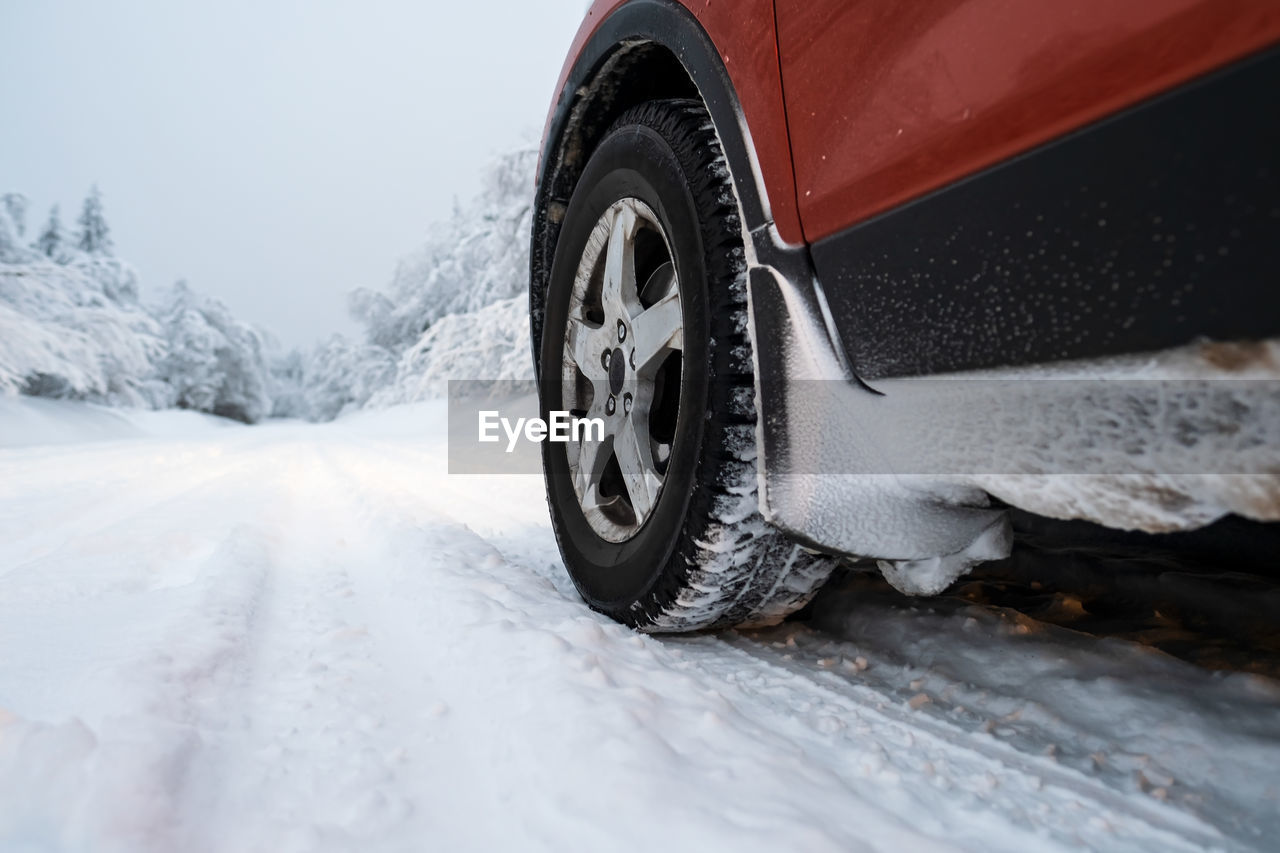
(586, 346)
(635, 460)
(619, 287)
(658, 330)
(592, 457)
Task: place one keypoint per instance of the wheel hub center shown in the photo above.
(617, 370)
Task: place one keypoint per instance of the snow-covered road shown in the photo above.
(297, 637)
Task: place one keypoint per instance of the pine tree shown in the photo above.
(52, 240)
(95, 236)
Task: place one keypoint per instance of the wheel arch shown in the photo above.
(644, 50)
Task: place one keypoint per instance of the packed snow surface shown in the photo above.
(310, 637)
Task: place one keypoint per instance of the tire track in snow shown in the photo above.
(99, 506)
(1167, 733)
(118, 774)
(1085, 811)
(315, 759)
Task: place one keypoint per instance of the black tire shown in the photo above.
(705, 558)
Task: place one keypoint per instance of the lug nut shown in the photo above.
(605, 358)
(622, 331)
(626, 403)
(610, 406)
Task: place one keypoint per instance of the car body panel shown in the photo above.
(1147, 231)
(888, 101)
(809, 318)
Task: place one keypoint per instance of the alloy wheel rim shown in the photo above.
(622, 363)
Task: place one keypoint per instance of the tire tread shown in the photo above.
(729, 568)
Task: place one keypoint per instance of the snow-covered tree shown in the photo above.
(94, 235)
(491, 344)
(13, 211)
(72, 325)
(10, 248)
(343, 374)
(456, 307)
(374, 310)
(479, 257)
(52, 242)
(215, 363)
(15, 204)
(288, 394)
(76, 330)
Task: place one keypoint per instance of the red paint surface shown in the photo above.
(743, 32)
(889, 100)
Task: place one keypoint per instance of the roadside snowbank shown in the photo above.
(31, 421)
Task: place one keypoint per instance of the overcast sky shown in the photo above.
(276, 154)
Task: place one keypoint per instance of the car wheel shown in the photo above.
(646, 330)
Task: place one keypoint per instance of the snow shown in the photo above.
(213, 362)
(1193, 433)
(341, 376)
(478, 257)
(489, 344)
(456, 308)
(76, 329)
(72, 325)
(310, 637)
(932, 575)
(30, 421)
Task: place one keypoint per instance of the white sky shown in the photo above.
(276, 154)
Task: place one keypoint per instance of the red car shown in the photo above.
(756, 221)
